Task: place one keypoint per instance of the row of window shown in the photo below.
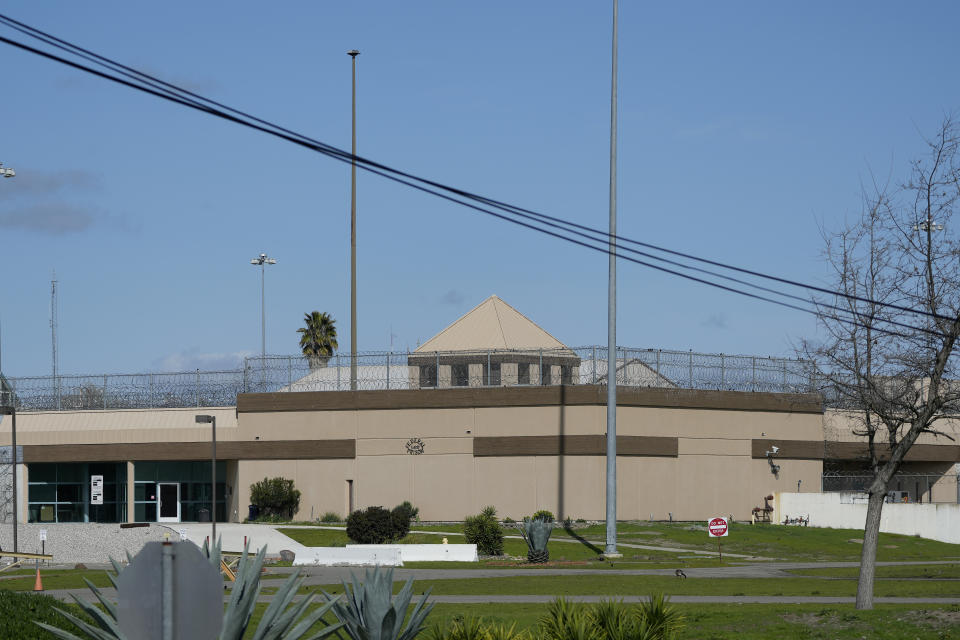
(460, 374)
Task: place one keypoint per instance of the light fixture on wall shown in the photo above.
(774, 468)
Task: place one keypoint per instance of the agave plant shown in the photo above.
(280, 620)
(536, 533)
(611, 620)
(370, 612)
(474, 628)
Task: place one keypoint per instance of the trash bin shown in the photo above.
(203, 515)
(253, 512)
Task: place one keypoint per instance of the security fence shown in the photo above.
(416, 370)
(904, 487)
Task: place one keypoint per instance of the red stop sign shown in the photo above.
(717, 527)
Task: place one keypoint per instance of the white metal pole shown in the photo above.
(611, 548)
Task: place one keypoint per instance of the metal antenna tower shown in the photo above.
(53, 334)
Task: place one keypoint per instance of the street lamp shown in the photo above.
(10, 410)
(8, 172)
(353, 53)
(203, 419)
(263, 260)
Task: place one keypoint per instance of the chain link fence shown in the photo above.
(417, 370)
(904, 487)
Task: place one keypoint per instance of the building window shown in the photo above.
(523, 373)
(428, 375)
(566, 374)
(61, 492)
(545, 374)
(459, 375)
(491, 374)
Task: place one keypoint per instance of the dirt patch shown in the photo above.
(830, 621)
(890, 546)
(936, 618)
(856, 540)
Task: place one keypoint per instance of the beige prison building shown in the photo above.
(491, 411)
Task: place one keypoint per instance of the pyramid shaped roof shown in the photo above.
(491, 325)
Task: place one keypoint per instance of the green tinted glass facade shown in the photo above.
(61, 492)
(193, 480)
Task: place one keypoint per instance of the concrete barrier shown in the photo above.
(384, 555)
(428, 552)
(848, 510)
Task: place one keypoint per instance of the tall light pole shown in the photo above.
(611, 548)
(353, 53)
(263, 260)
(203, 419)
(10, 410)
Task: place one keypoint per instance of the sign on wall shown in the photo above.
(96, 489)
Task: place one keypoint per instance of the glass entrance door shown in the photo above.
(168, 502)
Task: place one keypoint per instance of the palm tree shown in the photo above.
(318, 339)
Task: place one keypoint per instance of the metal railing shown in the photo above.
(392, 371)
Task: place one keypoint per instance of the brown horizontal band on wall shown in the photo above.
(829, 450)
(527, 396)
(917, 453)
(788, 449)
(226, 450)
(582, 445)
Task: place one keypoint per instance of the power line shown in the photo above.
(167, 91)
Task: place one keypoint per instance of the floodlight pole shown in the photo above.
(353, 53)
(213, 475)
(611, 548)
(262, 260)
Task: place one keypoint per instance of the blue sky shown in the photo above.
(744, 126)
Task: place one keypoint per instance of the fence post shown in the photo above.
(723, 373)
(784, 390)
(388, 371)
(691, 370)
(338, 372)
(658, 364)
(197, 387)
(753, 377)
(541, 367)
(104, 391)
(289, 373)
(594, 364)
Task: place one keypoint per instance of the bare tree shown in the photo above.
(893, 369)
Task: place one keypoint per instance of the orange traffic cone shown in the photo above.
(38, 585)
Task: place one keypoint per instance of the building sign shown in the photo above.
(96, 489)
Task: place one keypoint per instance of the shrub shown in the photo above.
(275, 497)
(484, 531)
(543, 514)
(373, 525)
(403, 514)
(330, 516)
(19, 613)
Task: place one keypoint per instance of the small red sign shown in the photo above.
(717, 527)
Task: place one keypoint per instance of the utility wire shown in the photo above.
(197, 101)
(167, 91)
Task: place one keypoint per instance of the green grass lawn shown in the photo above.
(931, 571)
(618, 585)
(767, 541)
(60, 579)
(749, 621)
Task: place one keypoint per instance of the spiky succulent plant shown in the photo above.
(536, 533)
(280, 621)
(369, 611)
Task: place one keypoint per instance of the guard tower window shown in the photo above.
(523, 373)
(428, 375)
(459, 375)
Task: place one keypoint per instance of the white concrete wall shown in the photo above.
(333, 556)
(846, 510)
(428, 552)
